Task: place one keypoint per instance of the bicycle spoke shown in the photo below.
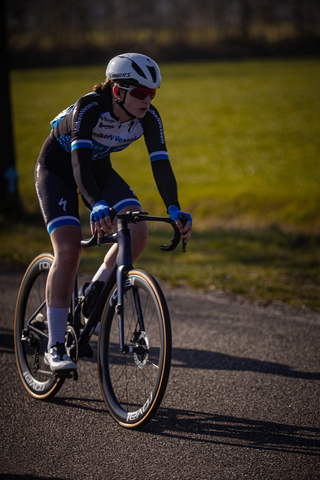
(135, 381)
(153, 365)
(31, 331)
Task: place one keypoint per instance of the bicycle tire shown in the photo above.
(133, 385)
(36, 376)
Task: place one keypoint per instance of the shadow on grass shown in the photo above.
(250, 246)
(259, 264)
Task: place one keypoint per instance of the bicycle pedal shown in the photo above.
(71, 374)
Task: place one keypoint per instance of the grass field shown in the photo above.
(243, 139)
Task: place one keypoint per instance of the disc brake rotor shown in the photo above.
(141, 359)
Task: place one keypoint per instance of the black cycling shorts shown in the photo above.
(57, 191)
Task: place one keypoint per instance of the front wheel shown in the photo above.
(31, 331)
(133, 383)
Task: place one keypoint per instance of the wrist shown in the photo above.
(173, 209)
(100, 203)
(175, 214)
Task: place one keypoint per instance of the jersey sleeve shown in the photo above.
(154, 135)
(166, 182)
(85, 116)
(161, 167)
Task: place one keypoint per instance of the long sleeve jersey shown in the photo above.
(89, 131)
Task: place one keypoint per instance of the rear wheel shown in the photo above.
(133, 383)
(31, 331)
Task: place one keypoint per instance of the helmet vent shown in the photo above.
(136, 67)
(152, 71)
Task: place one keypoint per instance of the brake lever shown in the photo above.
(183, 219)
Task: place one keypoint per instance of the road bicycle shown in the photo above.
(134, 343)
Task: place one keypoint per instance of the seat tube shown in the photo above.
(124, 260)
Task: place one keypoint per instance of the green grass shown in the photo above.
(264, 264)
(243, 139)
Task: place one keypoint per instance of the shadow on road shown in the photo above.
(8, 476)
(202, 359)
(193, 426)
(238, 432)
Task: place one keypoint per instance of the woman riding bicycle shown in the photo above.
(76, 157)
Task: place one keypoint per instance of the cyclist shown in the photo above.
(76, 158)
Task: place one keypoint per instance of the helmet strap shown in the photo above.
(121, 105)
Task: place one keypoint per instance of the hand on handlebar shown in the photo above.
(100, 218)
(178, 216)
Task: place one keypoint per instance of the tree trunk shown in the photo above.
(9, 198)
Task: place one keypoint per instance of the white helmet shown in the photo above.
(134, 69)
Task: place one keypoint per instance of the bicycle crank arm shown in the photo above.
(72, 374)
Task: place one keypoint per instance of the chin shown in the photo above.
(141, 114)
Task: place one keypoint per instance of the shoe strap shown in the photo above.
(61, 350)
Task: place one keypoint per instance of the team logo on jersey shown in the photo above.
(64, 204)
(131, 124)
(101, 125)
(82, 112)
(106, 122)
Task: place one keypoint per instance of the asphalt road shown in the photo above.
(242, 402)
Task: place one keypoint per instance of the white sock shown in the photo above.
(57, 321)
(101, 274)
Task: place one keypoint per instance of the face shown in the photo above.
(134, 105)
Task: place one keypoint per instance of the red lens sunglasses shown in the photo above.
(138, 92)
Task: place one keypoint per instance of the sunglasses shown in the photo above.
(141, 93)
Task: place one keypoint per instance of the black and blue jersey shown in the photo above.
(76, 157)
(89, 131)
(90, 123)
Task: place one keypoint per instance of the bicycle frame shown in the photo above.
(135, 339)
(122, 265)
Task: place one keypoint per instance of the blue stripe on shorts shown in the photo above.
(125, 203)
(62, 221)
